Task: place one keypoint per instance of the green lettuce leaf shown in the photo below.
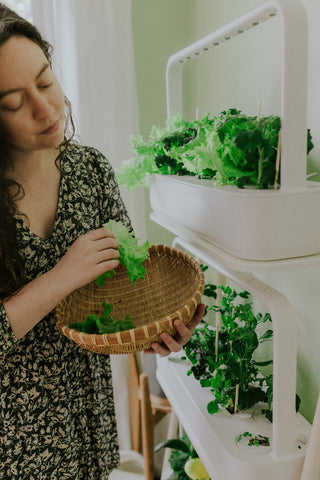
(103, 324)
(229, 148)
(132, 255)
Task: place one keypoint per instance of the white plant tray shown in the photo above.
(215, 436)
(252, 224)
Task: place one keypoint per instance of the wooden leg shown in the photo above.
(145, 412)
(147, 427)
(135, 416)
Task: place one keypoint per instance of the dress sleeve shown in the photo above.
(8, 341)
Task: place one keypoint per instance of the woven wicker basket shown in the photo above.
(172, 288)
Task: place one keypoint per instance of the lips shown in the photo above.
(52, 129)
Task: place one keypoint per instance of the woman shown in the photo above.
(57, 411)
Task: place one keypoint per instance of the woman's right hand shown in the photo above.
(91, 255)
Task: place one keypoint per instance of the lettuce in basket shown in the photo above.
(132, 255)
(103, 324)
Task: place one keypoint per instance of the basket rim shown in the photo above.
(111, 339)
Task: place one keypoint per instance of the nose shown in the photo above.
(41, 107)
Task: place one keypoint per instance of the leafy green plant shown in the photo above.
(103, 324)
(254, 440)
(132, 255)
(223, 359)
(230, 148)
(184, 460)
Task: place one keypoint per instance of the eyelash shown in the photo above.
(42, 87)
(45, 86)
(13, 109)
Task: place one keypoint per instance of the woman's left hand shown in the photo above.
(183, 335)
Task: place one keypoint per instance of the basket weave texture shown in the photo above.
(172, 289)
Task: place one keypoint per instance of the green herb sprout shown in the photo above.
(254, 440)
(227, 365)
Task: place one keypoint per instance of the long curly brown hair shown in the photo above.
(12, 273)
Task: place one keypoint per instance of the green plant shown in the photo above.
(254, 440)
(131, 254)
(223, 358)
(184, 460)
(103, 324)
(230, 148)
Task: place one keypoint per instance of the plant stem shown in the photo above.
(277, 161)
(220, 281)
(236, 400)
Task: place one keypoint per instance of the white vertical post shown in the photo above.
(311, 466)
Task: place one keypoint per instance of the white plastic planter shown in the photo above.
(252, 224)
(215, 436)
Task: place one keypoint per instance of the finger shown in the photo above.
(106, 255)
(170, 343)
(197, 316)
(159, 349)
(106, 243)
(164, 349)
(108, 264)
(100, 233)
(149, 351)
(183, 332)
(184, 335)
(104, 267)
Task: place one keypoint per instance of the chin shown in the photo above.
(56, 140)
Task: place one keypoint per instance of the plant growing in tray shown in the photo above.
(223, 358)
(184, 460)
(229, 148)
(254, 440)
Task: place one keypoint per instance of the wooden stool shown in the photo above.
(146, 410)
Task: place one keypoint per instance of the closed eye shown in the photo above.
(45, 86)
(12, 102)
(11, 109)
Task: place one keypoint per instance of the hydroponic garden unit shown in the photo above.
(215, 436)
(252, 224)
(237, 232)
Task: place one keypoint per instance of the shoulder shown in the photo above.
(79, 157)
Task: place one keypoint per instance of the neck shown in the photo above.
(28, 164)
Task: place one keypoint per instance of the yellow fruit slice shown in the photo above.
(194, 469)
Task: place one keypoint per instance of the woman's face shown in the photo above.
(31, 100)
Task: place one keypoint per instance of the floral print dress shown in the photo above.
(57, 418)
